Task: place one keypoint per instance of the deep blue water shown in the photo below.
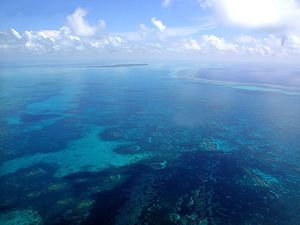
(149, 145)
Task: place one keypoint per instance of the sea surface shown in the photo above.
(149, 144)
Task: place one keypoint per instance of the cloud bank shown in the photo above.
(77, 36)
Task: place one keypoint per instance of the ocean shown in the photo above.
(162, 143)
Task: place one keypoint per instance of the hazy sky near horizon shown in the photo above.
(193, 28)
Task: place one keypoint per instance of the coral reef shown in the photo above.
(21, 217)
(261, 179)
(56, 187)
(174, 217)
(159, 165)
(86, 203)
(64, 202)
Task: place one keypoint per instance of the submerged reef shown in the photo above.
(112, 134)
(21, 217)
(216, 145)
(195, 208)
(174, 217)
(88, 154)
(128, 149)
(159, 165)
(261, 179)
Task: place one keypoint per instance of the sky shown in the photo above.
(158, 28)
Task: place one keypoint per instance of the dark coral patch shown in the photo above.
(112, 134)
(31, 118)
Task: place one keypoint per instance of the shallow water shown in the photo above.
(138, 145)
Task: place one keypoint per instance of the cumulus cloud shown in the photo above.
(219, 43)
(10, 39)
(15, 33)
(269, 45)
(55, 41)
(113, 41)
(210, 44)
(77, 23)
(76, 35)
(191, 44)
(50, 34)
(159, 24)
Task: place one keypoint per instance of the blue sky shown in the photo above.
(194, 28)
(121, 15)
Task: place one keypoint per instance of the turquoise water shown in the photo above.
(148, 144)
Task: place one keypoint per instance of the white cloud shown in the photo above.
(159, 24)
(10, 35)
(55, 41)
(209, 44)
(79, 26)
(270, 14)
(242, 46)
(113, 41)
(218, 43)
(34, 42)
(10, 39)
(15, 33)
(191, 44)
(270, 45)
(145, 33)
(166, 3)
(50, 34)
(293, 44)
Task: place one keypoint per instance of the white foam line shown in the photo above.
(244, 86)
